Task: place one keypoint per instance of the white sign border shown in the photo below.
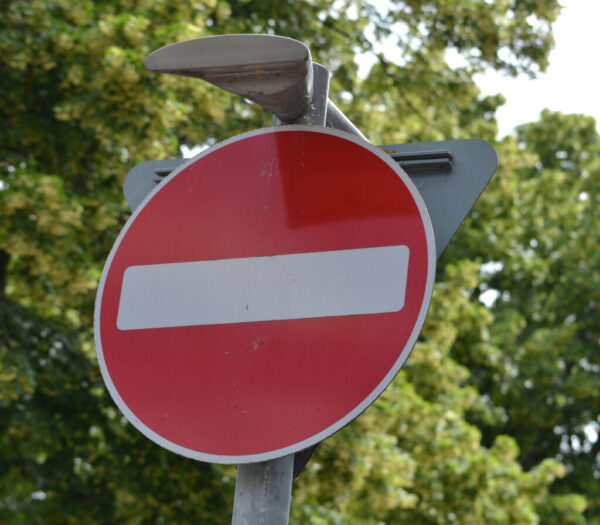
(320, 436)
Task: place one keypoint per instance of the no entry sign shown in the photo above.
(264, 294)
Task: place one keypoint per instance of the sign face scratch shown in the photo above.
(264, 294)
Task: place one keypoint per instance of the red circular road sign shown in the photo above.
(264, 294)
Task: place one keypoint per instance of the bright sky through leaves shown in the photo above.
(570, 84)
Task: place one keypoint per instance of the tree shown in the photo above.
(79, 110)
(537, 364)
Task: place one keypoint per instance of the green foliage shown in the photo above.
(538, 361)
(68, 456)
(413, 457)
(489, 420)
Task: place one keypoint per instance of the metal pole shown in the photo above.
(315, 112)
(336, 119)
(263, 491)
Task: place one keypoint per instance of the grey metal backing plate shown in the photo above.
(450, 195)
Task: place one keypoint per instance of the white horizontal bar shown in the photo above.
(291, 286)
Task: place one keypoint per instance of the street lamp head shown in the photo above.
(273, 71)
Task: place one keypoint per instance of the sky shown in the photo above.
(571, 84)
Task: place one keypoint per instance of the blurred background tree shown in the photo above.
(494, 418)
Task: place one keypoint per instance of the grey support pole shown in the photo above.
(337, 120)
(263, 491)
